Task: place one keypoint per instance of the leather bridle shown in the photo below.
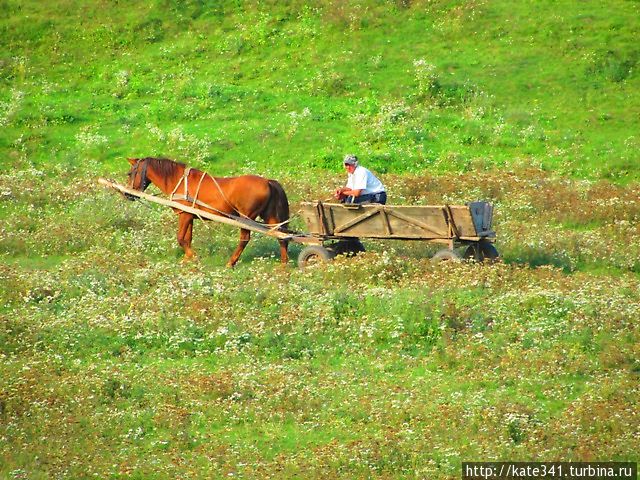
(144, 180)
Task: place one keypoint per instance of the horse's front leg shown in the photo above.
(185, 232)
(245, 236)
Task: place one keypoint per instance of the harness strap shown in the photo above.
(184, 179)
(194, 200)
(224, 197)
(187, 171)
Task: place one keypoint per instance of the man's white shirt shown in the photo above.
(363, 179)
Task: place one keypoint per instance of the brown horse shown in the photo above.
(247, 196)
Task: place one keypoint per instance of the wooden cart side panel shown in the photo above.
(358, 220)
(434, 225)
(309, 214)
(394, 221)
(463, 221)
(317, 223)
(391, 221)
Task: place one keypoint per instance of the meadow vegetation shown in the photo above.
(118, 361)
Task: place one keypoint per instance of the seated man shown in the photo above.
(362, 185)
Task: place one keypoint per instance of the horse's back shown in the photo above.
(253, 184)
(246, 194)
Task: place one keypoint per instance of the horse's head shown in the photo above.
(138, 179)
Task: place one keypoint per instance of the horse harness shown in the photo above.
(194, 200)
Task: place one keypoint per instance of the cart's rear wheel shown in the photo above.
(348, 247)
(446, 255)
(481, 251)
(489, 251)
(314, 255)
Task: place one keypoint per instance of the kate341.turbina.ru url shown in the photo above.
(549, 470)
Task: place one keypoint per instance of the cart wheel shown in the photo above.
(481, 251)
(472, 253)
(446, 255)
(489, 251)
(313, 255)
(347, 247)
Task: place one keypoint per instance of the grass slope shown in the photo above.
(443, 85)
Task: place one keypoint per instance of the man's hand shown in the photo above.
(348, 192)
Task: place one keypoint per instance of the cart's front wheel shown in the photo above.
(313, 255)
(446, 255)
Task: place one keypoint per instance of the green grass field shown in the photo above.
(119, 361)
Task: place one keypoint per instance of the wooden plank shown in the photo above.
(418, 223)
(232, 220)
(464, 221)
(393, 236)
(323, 221)
(310, 216)
(385, 221)
(477, 210)
(355, 221)
(453, 229)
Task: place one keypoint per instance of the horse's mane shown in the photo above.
(164, 166)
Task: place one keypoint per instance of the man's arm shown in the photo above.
(349, 192)
(344, 192)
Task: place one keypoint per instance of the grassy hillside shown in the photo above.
(118, 361)
(411, 86)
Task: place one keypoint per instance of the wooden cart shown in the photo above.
(338, 228)
(335, 228)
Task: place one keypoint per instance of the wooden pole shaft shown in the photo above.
(234, 221)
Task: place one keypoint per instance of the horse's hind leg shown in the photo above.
(284, 244)
(185, 233)
(284, 254)
(245, 236)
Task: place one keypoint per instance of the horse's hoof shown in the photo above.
(283, 270)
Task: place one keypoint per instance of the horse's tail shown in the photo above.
(278, 206)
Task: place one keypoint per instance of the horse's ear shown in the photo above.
(132, 161)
